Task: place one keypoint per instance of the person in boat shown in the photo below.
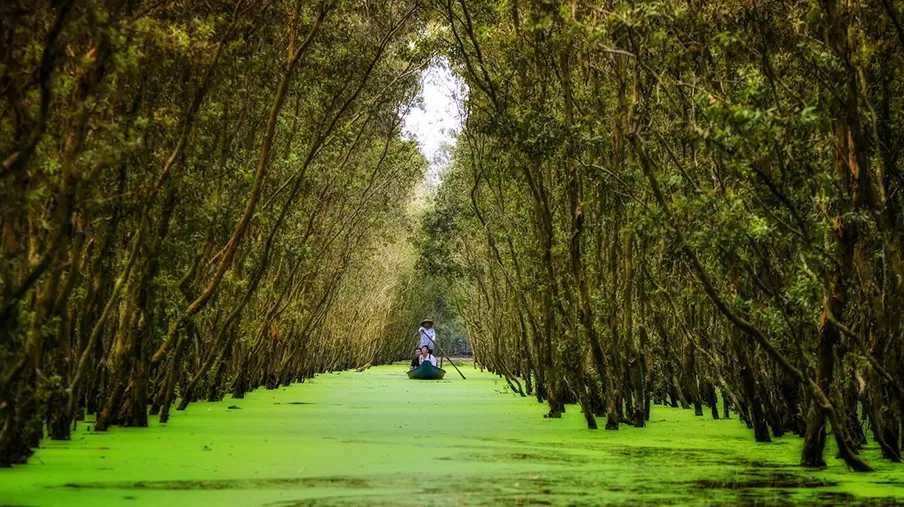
(426, 355)
(427, 335)
(427, 338)
(415, 359)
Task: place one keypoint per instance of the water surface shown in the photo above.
(377, 438)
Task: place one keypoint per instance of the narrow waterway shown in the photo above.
(377, 438)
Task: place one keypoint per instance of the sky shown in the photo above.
(436, 120)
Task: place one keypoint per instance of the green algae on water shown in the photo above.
(377, 438)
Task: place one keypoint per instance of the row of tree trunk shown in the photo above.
(193, 199)
(689, 203)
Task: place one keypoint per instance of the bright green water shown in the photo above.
(377, 438)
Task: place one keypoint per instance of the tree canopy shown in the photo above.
(193, 198)
(650, 201)
(665, 201)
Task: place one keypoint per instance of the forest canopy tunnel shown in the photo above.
(648, 202)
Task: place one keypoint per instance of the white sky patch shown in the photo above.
(436, 120)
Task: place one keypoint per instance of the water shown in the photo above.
(377, 438)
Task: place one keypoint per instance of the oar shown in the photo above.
(445, 355)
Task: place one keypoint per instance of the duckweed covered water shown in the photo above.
(377, 438)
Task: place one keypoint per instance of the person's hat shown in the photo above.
(428, 319)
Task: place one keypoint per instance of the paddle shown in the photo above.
(444, 355)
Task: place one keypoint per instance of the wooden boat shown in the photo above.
(426, 371)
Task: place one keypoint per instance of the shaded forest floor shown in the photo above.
(377, 438)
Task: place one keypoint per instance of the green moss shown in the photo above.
(378, 438)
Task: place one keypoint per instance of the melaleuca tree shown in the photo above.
(187, 191)
(670, 199)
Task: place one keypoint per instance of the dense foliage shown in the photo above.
(663, 201)
(192, 196)
(650, 201)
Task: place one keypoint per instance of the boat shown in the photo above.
(426, 371)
